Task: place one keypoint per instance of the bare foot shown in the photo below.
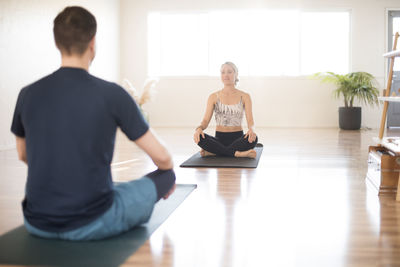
(205, 153)
(246, 154)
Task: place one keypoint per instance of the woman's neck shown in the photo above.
(229, 89)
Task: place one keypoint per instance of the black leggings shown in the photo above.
(226, 144)
(163, 180)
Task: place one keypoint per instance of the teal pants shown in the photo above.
(133, 204)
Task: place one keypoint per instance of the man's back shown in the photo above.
(65, 128)
(70, 119)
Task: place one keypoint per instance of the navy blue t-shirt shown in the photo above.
(69, 120)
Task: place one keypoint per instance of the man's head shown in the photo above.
(74, 28)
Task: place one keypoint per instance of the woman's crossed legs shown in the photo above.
(231, 144)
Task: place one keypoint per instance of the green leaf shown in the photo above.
(351, 86)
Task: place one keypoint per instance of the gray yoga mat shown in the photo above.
(223, 162)
(20, 248)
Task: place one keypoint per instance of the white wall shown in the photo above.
(278, 101)
(27, 50)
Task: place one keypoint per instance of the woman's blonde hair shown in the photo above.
(235, 69)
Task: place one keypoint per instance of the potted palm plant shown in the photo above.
(351, 86)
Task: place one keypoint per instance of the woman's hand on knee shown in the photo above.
(251, 136)
(197, 134)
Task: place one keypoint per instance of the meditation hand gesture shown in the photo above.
(197, 134)
(251, 135)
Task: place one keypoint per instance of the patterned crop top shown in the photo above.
(229, 115)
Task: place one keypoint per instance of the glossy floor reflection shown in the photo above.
(307, 204)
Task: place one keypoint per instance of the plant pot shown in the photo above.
(350, 118)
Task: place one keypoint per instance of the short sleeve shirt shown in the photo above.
(69, 121)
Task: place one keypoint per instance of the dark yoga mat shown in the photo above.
(223, 162)
(20, 248)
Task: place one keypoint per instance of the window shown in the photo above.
(324, 42)
(393, 27)
(260, 42)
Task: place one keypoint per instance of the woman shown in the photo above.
(228, 105)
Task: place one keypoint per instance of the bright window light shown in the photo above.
(274, 46)
(259, 42)
(324, 42)
(228, 40)
(252, 41)
(180, 44)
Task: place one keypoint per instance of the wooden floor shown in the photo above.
(307, 204)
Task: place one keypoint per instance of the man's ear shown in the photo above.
(92, 48)
(92, 43)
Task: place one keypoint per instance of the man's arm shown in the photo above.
(21, 149)
(150, 144)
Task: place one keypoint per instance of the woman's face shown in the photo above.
(228, 76)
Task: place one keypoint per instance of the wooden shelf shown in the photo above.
(392, 144)
(395, 53)
(389, 98)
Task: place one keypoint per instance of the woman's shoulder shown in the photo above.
(214, 95)
(244, 94)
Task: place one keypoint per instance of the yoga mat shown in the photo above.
(20, 248)
(223, 162)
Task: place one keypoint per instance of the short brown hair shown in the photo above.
(74, 28)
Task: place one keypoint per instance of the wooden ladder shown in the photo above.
(387, 98)
(391, 56)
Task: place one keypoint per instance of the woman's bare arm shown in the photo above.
(248, 107)
(209, 111)
(206, 119)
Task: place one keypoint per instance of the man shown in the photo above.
(65, 126)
